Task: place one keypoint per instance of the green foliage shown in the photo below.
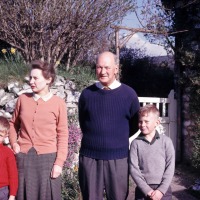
(194, 83)
(82, 76)
(196, 152)
(12, 66)
(146, 77)
(190, 80)
(70, 186)
(188, 65)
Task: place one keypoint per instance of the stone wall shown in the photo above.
(66, 89)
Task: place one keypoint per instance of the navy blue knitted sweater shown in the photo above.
(104, 117)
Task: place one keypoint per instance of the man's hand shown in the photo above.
(56, 171)
(156, 195)
(16, 148)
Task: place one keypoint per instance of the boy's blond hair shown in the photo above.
(149, 108)
(4, 125)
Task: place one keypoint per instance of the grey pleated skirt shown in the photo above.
(35, 182)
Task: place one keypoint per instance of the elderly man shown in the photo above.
(107, 110)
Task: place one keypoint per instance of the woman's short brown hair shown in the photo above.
(48, 70)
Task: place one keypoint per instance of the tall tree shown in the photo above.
(153, 15)
(48, 29)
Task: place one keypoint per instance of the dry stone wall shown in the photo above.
(66, 89)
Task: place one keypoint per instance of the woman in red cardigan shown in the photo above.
(39, 137)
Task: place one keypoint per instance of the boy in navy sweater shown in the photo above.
(152, 158)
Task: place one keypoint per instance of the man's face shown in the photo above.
(106, 69)
(147, 123)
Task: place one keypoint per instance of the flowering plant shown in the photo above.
(70, 185)
(12, 65)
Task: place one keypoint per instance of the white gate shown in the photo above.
(168, 115)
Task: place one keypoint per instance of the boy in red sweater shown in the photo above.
(8, 168)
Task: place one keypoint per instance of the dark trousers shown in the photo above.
(139, 195)
(95, 176)
(4, 193)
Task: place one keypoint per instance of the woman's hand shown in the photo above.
(11, 197)
(16, 148)
(56, 171)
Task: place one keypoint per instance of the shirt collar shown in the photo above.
(44, 98)
(142, 137)
(115, 84)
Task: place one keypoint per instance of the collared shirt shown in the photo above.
(142, 137)
(115, 84)
(44, 98)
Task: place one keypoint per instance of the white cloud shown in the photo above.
(139, 41)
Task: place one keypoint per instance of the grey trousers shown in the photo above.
(95, 176)
(4, 193)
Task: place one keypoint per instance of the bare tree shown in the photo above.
(50, 29)
(153, 15)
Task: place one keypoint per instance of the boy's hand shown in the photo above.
(156, 195)
(16, 148)
(150, 193)
(11, 197)
(56, 171)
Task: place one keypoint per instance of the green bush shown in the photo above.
(195, 114)
(144, 76)
(196, 152)
(190, 80)
(70, 184)
(12, 66)
(82, 76)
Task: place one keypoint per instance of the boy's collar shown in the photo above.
(142, 137)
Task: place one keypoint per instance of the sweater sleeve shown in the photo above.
(15, 123)
(80, 110)
(135, 169)
(62, 134)
(135, 106)
(12, 174)
(169, 167)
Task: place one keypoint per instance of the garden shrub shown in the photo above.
(190, 80)
(82, 76)
(195, 116)
(70, 184)
(144, 76)
(12, 66)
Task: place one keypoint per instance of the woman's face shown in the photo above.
(38, 83)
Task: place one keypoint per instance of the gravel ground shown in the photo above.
(182, 180)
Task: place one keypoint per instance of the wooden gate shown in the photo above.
(168, 115)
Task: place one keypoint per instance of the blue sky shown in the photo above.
(138, 40)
